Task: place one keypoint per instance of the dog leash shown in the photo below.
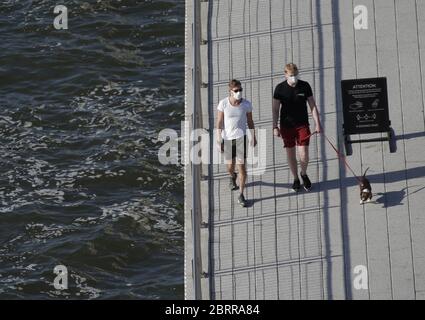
(340, 156)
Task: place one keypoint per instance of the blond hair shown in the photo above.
(291, 67)
(234, 83)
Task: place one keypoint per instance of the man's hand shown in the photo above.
(318, 128)
(276, 132)
(254, 142)
(220, 146)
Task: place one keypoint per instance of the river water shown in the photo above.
(80, 181)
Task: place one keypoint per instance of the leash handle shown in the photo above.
(309, 136)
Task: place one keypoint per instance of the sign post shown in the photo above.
(365, 109)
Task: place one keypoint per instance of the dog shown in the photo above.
(365, 189)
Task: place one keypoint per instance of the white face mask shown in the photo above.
(293, 79)
(237, 95)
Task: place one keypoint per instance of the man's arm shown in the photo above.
(219, 125)
(276, 109)
(315, 114)
(251, 127)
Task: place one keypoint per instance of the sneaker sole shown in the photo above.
(307, 189)
(242, 205)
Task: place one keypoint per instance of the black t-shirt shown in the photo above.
(293, 112)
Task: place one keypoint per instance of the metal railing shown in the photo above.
(196, 169)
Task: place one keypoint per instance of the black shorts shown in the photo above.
(236, 148)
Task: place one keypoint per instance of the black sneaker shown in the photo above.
(241, 200)
(232, 183)
(296, 186)
(306, 182)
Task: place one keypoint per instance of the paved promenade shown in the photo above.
(307, 245)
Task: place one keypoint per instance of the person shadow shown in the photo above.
(279, 186)
(387, 199)
(268, 184)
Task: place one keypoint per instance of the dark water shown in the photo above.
(80, 181)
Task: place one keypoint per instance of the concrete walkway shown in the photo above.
(307, 245)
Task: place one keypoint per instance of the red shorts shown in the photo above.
(299, 136)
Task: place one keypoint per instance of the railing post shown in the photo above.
(196, 174)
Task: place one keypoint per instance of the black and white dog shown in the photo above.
(365, 189)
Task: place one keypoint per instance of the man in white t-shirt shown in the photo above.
(235, 113)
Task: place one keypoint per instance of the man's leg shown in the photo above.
(292, 161)
(231, 171)
(231, 167)
(242, 180)
(230, 163)
(304, 159)
(303, 151)
(303, 140)
(289, 140)
(242, 176)
(241, 153)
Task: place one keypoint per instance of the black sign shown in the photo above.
(365, 105)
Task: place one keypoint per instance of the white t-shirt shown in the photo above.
(235, 123)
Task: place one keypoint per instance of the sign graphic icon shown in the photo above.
(356, 105)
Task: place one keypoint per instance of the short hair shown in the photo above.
(291, 67)
(234, 83)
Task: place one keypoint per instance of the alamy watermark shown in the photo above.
(361, 17)
(360, 281)
(200, 146)
(60, 21)
(61, 280)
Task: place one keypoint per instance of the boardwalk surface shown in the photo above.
(307, 245)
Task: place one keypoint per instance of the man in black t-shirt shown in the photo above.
(290, 98)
